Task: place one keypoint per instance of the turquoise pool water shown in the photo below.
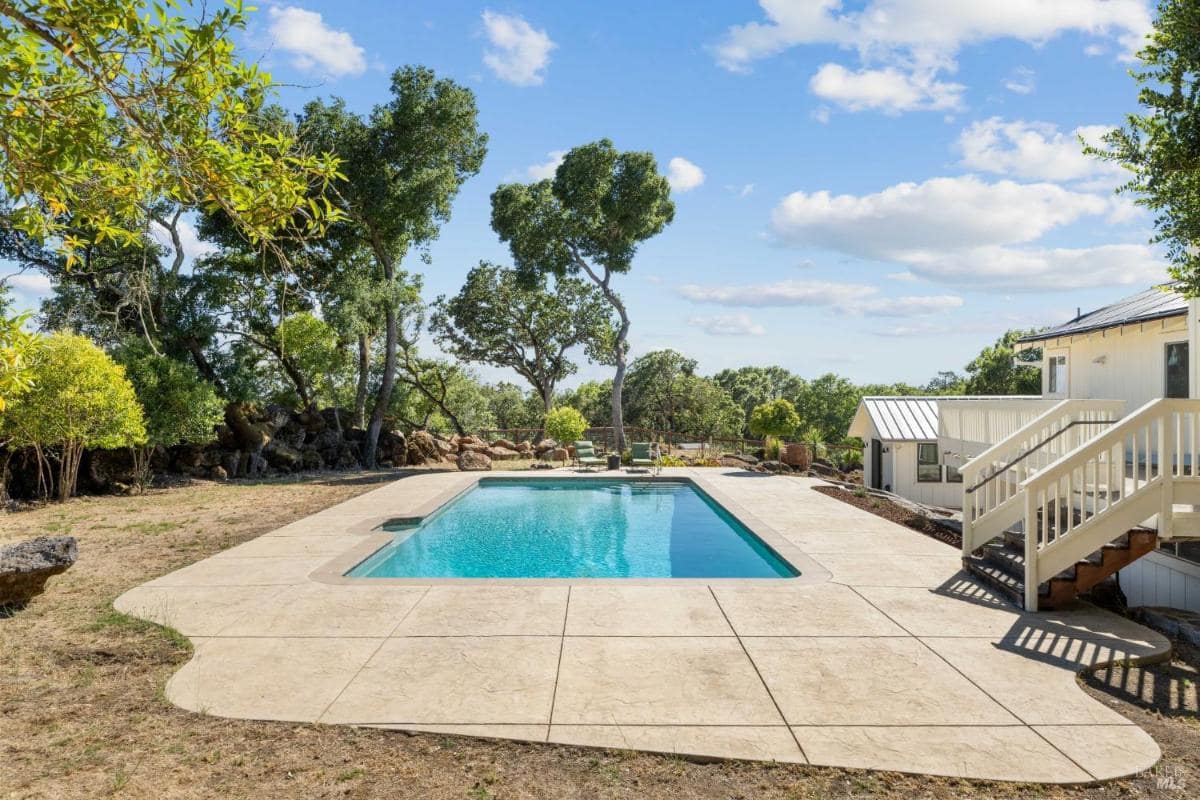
(576, 529)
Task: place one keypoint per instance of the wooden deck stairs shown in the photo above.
(1095, 490)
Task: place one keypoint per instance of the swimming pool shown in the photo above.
(576, 528)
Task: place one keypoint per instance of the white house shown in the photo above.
(1104, 465)
(904, 454)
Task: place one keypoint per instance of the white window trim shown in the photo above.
(939, 463)
(1166, 346)
(1049, 371)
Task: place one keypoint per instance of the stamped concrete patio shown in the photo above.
(883, 655)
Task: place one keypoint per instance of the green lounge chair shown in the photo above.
(644, 456)
(585, 455)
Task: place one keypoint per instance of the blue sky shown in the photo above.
(877, 188)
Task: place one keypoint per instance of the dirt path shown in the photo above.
(82, 712)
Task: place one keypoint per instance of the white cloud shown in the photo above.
(546, 169)
(314, 45)
(1044, 269)
(850, 298)
(927, 25)
(683, 175)
(33, 283)
(908, 219)
(519, 52)
(903, 45)
(1021, 80)
(1034, 150)
(907, 277)
(728, 325)
(915, 329)
(889, 90)
(968, 232)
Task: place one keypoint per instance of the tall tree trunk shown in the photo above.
(384, 398)
(391, 340)
(614, 299)
(364, 373)
(618, 412)
(547, 397)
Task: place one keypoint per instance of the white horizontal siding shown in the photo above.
(903, 457)
(1119, 364)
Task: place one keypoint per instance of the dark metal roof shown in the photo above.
(1158, 302)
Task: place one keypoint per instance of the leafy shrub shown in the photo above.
(79, 398)
(565, 424)
(774, 418)
(666, 460)
(178, 404)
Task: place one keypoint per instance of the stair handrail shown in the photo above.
(1024, 454)
(1152, 431)
(1032, 437)
(1039, 423)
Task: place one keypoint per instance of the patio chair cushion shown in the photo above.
(585, 450)
(641, 451)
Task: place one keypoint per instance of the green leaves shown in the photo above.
(1161, 148)
(565, 425)
(178, 404)
(108, 113)
(79, 398)
(601, 204)
(499, 319)
(774, 418)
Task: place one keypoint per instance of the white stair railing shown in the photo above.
(1091, 496)
(991, 480)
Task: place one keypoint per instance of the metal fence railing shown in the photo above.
(605, 437)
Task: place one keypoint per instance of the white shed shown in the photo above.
(901, 453)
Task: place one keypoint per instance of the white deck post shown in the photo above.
(1031, 554)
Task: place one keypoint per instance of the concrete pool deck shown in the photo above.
(883, 656)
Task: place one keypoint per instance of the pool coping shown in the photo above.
(333, 572)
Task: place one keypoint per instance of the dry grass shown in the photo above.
(82, 712)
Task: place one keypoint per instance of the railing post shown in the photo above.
(1031, 553)
(1166, 471)
(968, 513)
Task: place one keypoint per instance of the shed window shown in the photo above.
(953, 475)
(929, 466)
(1177, 369)
(1058, 375)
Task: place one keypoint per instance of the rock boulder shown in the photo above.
(470, 461)
(497, 453)
(26, 566)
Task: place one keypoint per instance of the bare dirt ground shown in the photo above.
(82, 712)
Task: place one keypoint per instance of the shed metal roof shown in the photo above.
(1157, 302)
(898, 419)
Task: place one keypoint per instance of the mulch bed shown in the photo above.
(894, 512)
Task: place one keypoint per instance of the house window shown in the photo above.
(953, 475)
(1177, 370)
(1057, 366)
(929, 465)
